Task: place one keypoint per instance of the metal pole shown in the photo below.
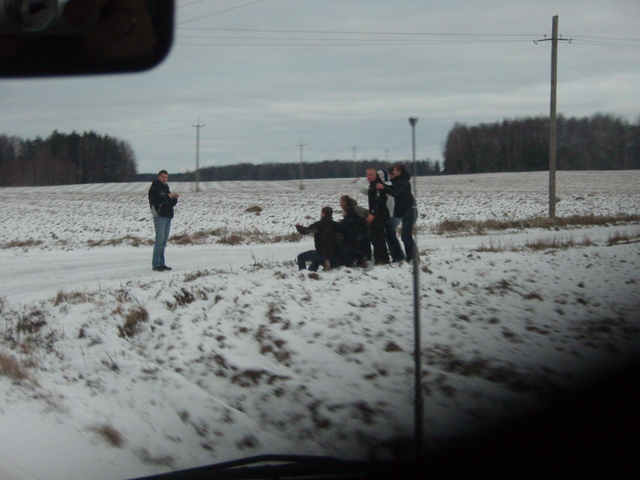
(198, 127)
(553, 131)
(418, 408)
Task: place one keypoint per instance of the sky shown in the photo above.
(240, 356)
(341, 78)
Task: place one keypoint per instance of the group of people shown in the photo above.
(362, 234)
(366, 234)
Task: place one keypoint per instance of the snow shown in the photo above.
(239, 354)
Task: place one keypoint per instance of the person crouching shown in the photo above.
(325, 242)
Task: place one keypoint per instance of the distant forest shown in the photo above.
(291, 171)
(63, 159)
(601, 142)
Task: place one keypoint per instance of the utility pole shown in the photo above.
(418, 402)
(198, 126)
(301, 145)
(354, 162)
(553, 124)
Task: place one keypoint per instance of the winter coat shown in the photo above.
(400, 189)
(361, 211)
(354, 230)
(325, 236)
(378, 203)
(159, 202)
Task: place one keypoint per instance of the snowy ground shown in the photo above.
(109, 370)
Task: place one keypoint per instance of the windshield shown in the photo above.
(121, 360)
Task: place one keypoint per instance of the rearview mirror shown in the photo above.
(76, 37)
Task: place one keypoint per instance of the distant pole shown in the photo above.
(198, 126)
(354, 161)
(301, 145)
(418, 403)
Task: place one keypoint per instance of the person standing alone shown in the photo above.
(161, 202)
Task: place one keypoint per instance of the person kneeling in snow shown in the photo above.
(325, 241)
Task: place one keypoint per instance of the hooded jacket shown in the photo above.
(325, 236)
(378, 202)
(354, 229)
(159, 202)
(400, 189)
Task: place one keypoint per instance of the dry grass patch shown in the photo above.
(11, 368)
(110, 434)
(477, 227)
(545, 244)
(257, 209)
(22, 243)
(133, 319)
(73, 298)
(623, 238)
(232, 239)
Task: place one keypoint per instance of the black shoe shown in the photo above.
(158, 269)
(164, 267)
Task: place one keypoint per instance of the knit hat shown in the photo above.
(384, 176)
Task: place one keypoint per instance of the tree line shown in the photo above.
(291, 171)
(601, 142)
(63, 159)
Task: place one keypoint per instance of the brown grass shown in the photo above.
(255, 209)
(110, 434)
(11, 368)
(477, 227)
(22, 243)
(132, 321)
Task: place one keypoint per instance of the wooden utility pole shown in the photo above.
(553, 129)
(198, 126)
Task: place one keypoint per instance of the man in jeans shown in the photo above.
(161, 202)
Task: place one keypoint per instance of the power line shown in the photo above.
(332, 38)
(219, 13)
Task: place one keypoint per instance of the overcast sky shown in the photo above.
(264, 75)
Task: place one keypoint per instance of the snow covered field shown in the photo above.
(109, 370)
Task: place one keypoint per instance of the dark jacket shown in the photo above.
(378, 203)
(354, 230)
(159, 202)
(400, 189)
(325, 236)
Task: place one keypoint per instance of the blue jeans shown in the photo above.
(162, 226)
(408, 220)
(311, 256)
(395, 250)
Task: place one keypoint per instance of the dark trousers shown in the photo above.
(380, 252)
(350, 255)
(392, 239)
(408, 220)
(310, 256)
